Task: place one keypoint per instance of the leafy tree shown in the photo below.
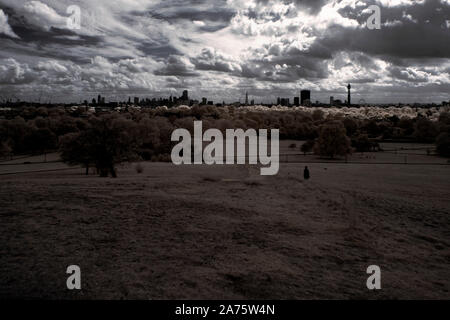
(444, 118)
(318, 115)
(332, 141)
(443, 144)
(350, 126)
(40, 141)
(108, 141)
(362, 143)
(76, 148)
(15, 130)
(5, 149)
(307, 146)
(407, 125)
(425, 130)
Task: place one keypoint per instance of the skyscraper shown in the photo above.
(246, 98)
(185, 95)
(349, 101)
(305, 95)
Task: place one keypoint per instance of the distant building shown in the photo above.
(349, 100)
(285, 102)
(185, 95)
(305, 95)
(204, 101)
(136, 101)
(246, 98)
(296, 101)
(331, 101)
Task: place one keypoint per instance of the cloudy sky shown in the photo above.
(222, 48)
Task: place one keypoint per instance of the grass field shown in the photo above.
(224, 232)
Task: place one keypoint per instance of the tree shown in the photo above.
(108, 141)
(5, 149)
(444, 118)
(318, 115)
(443, 144)
(307, 146)
(425, 130)
(332, 141)
(75, 148)
(40, 141)
(362, 143)
(350, 126)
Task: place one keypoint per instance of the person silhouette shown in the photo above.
(306, 173)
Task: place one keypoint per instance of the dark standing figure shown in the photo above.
(306, 173)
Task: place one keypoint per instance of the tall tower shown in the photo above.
(305, 97)
(246, 98)
(349, 101)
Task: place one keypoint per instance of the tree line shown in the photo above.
(104, 140)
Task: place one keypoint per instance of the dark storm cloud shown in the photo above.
(193, 10)
(158, 50)
(177, 66)
(45, 42)
(313, 6)
(30, 33)
(421, 32)
(407, 75)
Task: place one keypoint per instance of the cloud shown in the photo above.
(177, 66)
(268, 48)
(5, 28)
(13, 72)
(213, 60)
(43, 16)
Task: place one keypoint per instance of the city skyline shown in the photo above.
(303, 98)
(223, 49)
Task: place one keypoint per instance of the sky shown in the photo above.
(220, 49)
